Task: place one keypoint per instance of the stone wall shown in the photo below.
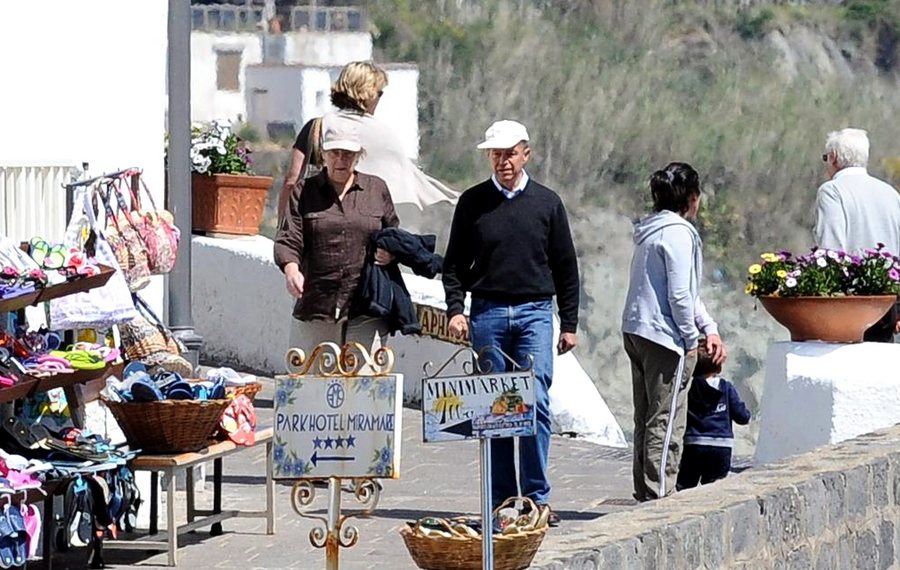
(835, 507)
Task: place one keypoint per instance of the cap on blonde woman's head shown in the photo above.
(341, 135)
(359, 83)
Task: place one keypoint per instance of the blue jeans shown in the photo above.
(519, 330)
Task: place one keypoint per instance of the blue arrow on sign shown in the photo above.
(316, 458)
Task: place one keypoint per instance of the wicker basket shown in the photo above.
(250, 390)
(169, 426)
(462, 552)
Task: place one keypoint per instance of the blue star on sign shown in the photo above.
(339, 442)
(317, 443)
(351, 441)
(328, 442)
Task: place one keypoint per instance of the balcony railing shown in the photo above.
(230, 18)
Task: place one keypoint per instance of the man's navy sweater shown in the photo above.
(711, 411)
(512, 250)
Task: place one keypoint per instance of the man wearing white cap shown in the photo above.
(510, 246)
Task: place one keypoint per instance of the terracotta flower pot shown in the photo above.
(229, 203)
(831, 319)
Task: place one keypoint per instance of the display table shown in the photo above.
(819, 393)
(170, 465)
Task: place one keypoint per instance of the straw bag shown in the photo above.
(148, 340)
(451, 548)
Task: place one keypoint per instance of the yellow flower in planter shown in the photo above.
(770, 257)
(750, 288)
(754, 269)
(781, 273)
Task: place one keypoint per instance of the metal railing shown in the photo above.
(227, 18)
(33, 201)
(329, 18)
(230, 18)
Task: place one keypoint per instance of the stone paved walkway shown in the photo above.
(436, 479)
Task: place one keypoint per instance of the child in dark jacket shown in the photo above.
(713, 404)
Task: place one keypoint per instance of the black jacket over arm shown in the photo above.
(381, 291)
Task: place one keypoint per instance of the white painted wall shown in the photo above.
(207, 102)
(272, 95)
(327, 48)
(95, 92)
(400, 105)
(242, 310)
(820, 393)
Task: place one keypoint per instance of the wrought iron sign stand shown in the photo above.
(330, 361)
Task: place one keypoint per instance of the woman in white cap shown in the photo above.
(321, 243)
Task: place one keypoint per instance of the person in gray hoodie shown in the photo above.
(662, 323)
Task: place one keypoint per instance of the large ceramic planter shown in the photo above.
(830, 319)
(229, 203)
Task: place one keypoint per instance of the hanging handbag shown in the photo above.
(100, 307)
(122, 235)
(147, 339)
(158, 231)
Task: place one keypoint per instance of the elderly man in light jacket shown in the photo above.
(856, 211)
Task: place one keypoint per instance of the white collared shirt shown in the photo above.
(510, 194)
(849, 171)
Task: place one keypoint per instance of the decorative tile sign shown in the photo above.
(483, 406)
(337, 426)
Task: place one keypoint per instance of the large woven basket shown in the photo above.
(169, 426)
(462, 552)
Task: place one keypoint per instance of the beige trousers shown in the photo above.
(368, 331)
(660, 383)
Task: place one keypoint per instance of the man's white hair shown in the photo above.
(850, 147)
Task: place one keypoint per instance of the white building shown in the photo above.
(95, 93)
(278, 81)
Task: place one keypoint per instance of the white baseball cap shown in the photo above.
(504, 134)
(341, 135)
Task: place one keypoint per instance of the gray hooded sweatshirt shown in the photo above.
(663, 303)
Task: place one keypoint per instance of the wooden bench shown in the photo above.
(170, 465)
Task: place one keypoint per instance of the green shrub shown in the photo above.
(248, 133)
(753, 26)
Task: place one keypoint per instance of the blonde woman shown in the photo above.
(356, 94)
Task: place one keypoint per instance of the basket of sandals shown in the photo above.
(455, 543)
(168, 426)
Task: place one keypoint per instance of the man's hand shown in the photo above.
(567, 342)
(459, 326)
(383, 257)
(294, 280)
(716, 349)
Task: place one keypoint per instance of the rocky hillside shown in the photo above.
(613, 89)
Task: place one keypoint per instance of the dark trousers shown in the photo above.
(702, 464)
(883, 330)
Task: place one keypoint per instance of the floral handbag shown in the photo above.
(157, 228)
(126, 242)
